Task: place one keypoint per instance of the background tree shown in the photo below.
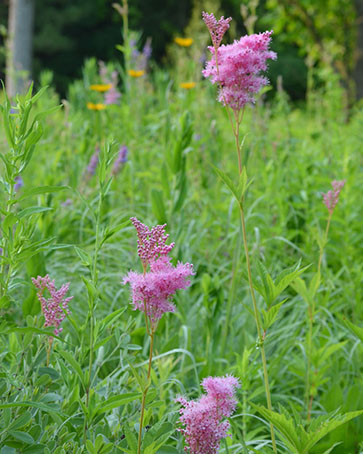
(19, 45)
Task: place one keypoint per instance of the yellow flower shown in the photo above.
(135, 73)
(100, 87)
(183, 42)
(187, 85)
(92, 106)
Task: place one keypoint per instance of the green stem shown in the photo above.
(232, 292)
(311, 314)
(238, 115)
(144, 393)
(258, 325)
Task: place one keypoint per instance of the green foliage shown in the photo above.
(75, 226)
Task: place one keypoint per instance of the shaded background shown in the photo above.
(66, 32)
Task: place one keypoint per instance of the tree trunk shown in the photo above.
(358, 70)
(19, 45)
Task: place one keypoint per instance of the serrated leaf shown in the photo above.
(271, 314)
(285, 427)
(285, 278)
(329, 426)
(228, 182)
(267, 290)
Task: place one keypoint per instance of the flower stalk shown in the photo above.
(235, 69)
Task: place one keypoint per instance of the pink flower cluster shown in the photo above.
(331, 197)
(236, 68)
(152, 291)
(202, 419)
(54, 308)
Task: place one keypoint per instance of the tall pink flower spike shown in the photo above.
(202, 419)
(331, 198)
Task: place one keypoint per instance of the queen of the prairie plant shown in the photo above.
(152, 290)
(202, 419)
(331, 198)
(55, 307)
(236, 68)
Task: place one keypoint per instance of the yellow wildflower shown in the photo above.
(92, 106)
(100, 87)
(135, 73)
(187, 85)
(183, 42)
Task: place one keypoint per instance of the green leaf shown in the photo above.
(39, 405)
(286, 278)
(116, 401)
(41, 190)
(356, 330)
(109, 232)
(111, 318)
(21, 436)
(73, 363)
(166, 449)
(32, 210)
(284, 425)
(314, 285)
(267, 290)
(83, 255)
(22, 421)
(300, 287)
(130, 438)
(270, 315)
(158, 207)
(328, 426)
(229, 183)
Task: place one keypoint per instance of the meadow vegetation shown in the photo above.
(163, 152)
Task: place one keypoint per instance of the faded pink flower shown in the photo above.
(238, 67)
(152, 291)
(217, 29)
(331, 197)
(54, 308)
(202, 419)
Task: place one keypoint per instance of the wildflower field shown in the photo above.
(181, 260)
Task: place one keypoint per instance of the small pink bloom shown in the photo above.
(331, 197)
(54, 308)
(202, 419)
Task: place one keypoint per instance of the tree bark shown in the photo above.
(358, 70)
(19, 45)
